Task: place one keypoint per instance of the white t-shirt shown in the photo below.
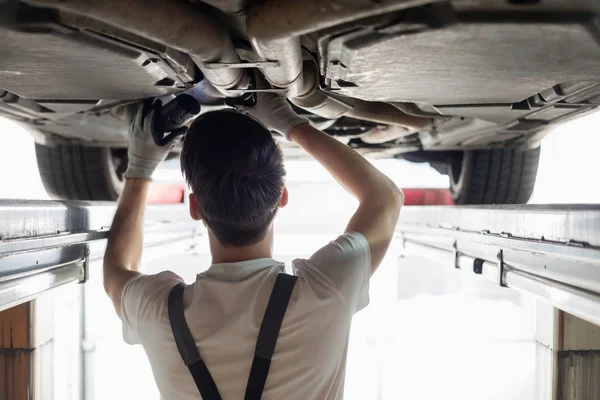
(224, 310)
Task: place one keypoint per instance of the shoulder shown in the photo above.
(342, 266)
(350, 249)
(144, 294)
(144, 299)
(351, 244)
(150, 285)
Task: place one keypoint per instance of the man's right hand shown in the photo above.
(275, 113)
(144, 155)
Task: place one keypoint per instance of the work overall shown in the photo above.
(265, 344)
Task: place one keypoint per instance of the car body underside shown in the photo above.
(416, 79)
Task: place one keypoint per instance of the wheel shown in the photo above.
(497, 176)
(75, 172)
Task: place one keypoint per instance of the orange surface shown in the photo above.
(166, 193)
(427, 197)
(16, 354)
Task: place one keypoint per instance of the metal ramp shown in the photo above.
(552, 252)
(549, 251)
(46, 244)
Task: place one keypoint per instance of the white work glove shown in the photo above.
(275, 113)
(144, 155)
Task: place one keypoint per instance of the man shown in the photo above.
(236, 173)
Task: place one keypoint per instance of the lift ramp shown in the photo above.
(549, 251)
(46, 244)
(552, 252)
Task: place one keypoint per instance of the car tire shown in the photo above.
(497, 176)
(75, 172)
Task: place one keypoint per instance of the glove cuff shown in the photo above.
(133, 173)
(291, 127)
(140, 168)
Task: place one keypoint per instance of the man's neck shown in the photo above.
(222, 254)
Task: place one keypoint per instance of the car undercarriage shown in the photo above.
(470, 87)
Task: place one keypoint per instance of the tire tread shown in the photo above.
(76, 172)
(500, 176)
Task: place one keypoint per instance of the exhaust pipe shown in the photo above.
(181, 26)
(288, 74)
(275, 27)
(333, 107)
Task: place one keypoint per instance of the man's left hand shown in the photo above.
(144, 155)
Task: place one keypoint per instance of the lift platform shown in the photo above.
(549, 251)
(552, 252)
(46, 244)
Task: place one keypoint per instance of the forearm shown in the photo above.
(348, 167)
(380, 199)
(125, 242)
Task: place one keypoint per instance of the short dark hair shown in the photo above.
(235, 170)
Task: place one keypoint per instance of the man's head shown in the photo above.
(235, 170)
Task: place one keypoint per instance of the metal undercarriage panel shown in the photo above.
(496, 74)
(468, 63)
(44, 60)
(507, 75)
(55, 66)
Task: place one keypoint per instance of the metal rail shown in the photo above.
(46, 244)
(551, 252)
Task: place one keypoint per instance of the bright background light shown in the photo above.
(568, 171)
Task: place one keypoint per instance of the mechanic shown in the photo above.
(204, 338)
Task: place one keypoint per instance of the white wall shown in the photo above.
(569, 169)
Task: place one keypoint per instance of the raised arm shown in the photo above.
(379, 198)
(125, 242)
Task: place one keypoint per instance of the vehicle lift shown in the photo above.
(549, 251)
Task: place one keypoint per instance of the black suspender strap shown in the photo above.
(265, 345)
(267, 336)
(187, 346)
